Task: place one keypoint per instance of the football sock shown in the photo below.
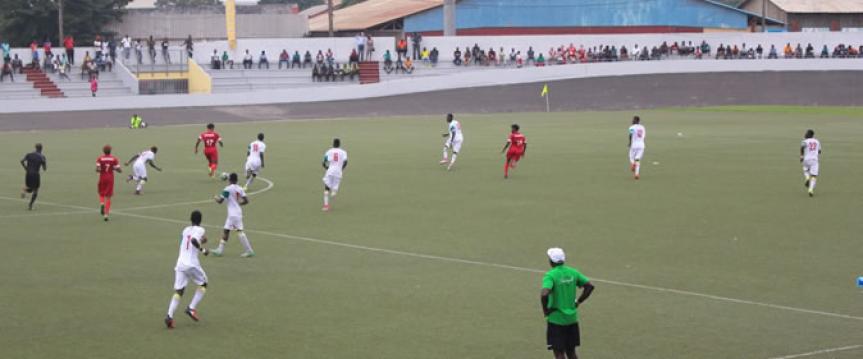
(199, 294)
(33, 198)
(175, 302)
(140, 185)
(221, 245)
(107, 205)
(637, 167)
(102, 200)
(812, 184)
(249, 181)
(326, 198)
(506, 169)
(245, 242)
(445, 154)
(454, 156)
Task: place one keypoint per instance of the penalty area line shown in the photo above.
(485, 264)
(819, 352)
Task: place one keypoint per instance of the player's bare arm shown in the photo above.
(219, 199)
(629, 145)
(244, 201)
(524, 150)
(221, 144)
(262, 159)
(345, 165)
(505, 146)
(153, 164)
(802, 149)
(24, 163)
(135, 157)
(326, 164)
(197, 143)
(44, 164)
(200, 246)
(543, 300)
(587, 290)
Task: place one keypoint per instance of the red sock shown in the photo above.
(101, 199)
(108, 206)
(506, 169)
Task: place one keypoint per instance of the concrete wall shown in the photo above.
(341, 47)
(446, 45)
(826, 21)
(580, 13)
(178, 24)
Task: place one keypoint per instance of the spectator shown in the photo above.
(787, 51)
(540, 61)
(530, 56)
(401, 48)
(34, 54)
(104, 63)
(215, 60)
(331, 58)
(519, 61)
(284, 58)
(17, 64)
(370, 47)
(624, 53)
(467, 56)
(512, 55)
(7, 70)
(189, 46)
(434, 55)
(360, 41)
(759, 50)
(69, 45)
(456, 57)
(416, 40)
(810, 51)
(63, 68)
(388, 61)
(166, 56)
(94, 85)
(97, 44)
(408, 65)
(825, 53)
(247, 60)
(425, 55)
(226, 60)
(112, 50)
(7, 51)
(262, 60)
(127, 46)
(151, 49)
(798, 51)
(773, 53)
(139, 52)
(296, 60)
(354, 58)
(501, 57)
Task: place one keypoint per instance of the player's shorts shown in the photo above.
(32, 181)
(234, 223)
(456, 146)
(139, 172)
(183, 275)
(253, 166)
(212, 155)
(332, 181)
(514, 155)
(810, 167)
(106, 187)
(563, 338)
(635, 153)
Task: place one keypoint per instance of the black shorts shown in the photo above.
(32, 181)
(563, 338)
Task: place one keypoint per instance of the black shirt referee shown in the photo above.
(32, 163)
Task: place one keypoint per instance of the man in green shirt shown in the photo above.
(559, 286)
(136, 122)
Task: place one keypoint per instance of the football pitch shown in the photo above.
(717, 252)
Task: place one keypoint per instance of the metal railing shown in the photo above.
(157, 61)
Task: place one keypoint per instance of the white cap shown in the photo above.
(556, 255)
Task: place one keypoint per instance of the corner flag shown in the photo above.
(544, 91)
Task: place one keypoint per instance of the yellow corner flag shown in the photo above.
(544, 91)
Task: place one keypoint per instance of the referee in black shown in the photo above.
(32, 163)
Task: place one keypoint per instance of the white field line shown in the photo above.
(482, 264)
(819, 352)
(31, 214)
(269, 187)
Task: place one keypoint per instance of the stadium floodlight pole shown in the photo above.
(764, 15)
(330, 15)
(60, 21)
(449, 18)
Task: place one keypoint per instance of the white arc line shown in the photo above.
(167, 205)
(486, 264)
(818, 352)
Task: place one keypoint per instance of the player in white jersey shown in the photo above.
(335, 161)
(139, 169)
(454, 139)
(810, 151)
(637, 134)
(255, 160)
(189, 268)
(234, 196)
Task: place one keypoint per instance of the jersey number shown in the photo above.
(336, 157)
(210, 142)
(255, 148)
(188, 241)
(639, 133)
(813, 146)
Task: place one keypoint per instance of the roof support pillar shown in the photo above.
(449, 18)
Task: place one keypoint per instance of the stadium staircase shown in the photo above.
(42, 83)
(370, 72)
(76, 86)
(20, 89)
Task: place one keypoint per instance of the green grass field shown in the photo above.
(717, 252)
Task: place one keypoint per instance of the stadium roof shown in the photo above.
(820, 6)
(370, 13)
(141, 4)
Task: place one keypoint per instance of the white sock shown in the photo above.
(454, 156)
(812, 183)
(199, 294)
(175, 302)
(445, 153)
(326, 198)
(245, 241)
(221, 245)
(637, 167)
(249, 181)
(140, 185)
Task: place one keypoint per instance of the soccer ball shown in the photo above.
(223, 176)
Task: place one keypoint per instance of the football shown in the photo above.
(223, 176)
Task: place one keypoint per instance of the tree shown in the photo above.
(23, 21)
(304, 4)
(186, 3)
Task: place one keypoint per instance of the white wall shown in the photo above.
(446, 45)
(341, 47)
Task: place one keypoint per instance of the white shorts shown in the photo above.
(183, 275)
(456, 146)
(139, 171)
(234, 223)
(332, 181)
(810, 167)
(635, 153)
(253, 166)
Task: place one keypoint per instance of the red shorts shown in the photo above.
(514, 155)
(212, 155)
(106, 187)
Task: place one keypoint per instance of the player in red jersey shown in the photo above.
(210, 137)
(517, 145)
(106, 164)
